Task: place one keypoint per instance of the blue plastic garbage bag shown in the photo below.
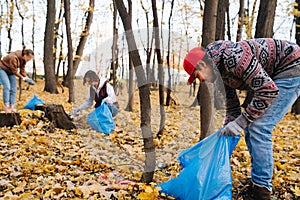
(206, 172)
(101, 119)
(32, 102)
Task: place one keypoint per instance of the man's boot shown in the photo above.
(255, 192)
(261, 193)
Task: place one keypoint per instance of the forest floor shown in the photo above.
(85, 164)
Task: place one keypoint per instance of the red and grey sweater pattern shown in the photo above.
(253, 65)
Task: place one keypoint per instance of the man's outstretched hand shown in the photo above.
(231, 129)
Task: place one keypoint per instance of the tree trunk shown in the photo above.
(70, 50)
(79, 51)
(149, 45)
(144, 94)
(56, 36)
(23, 44)
(209, 23)
(296, 106)
(169, 88)
(160, 70)
(114, 48)
(33, 41)
(241, 20)
(265, 19)
(49, 68)
(129, 106)
(10, 22)
(222, 8)
(207, 89)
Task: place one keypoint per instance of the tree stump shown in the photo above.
(10, 119)
(57, 115)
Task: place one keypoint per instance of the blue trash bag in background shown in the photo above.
(206, 172)
(101, 119)
(32, 102)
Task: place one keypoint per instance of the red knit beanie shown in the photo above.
(191, 60)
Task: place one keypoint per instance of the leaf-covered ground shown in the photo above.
(85, 164)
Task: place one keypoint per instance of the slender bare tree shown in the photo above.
(161, 86)
(169, 89)
(222, 9)
(59, 20)
(23, 43)
(10, 19)
(33, 41)
(265, 19)
(49, 68)
(144, 94)
(129, 106)
(70, 50)
(206, 89)
(296, 106)
(114, 48)
(241, 20)
(82, 41)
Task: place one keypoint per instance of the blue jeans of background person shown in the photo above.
(258, 134)
(9, 87)
(114, 110)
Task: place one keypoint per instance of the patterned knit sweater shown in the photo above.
(253, 65)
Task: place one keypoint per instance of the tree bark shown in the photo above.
(56, 36)
(57, 116)
(23, 44)
(33, 42)
(129, 106)
(70, 50)
(79, 50)
(144, 94)
(222, 8)
(160, 70)
(114, 48)
(10, 20)
(10, 119)
(207, 89)
(49, 68)
(241, 20)
(169, 88)
(296, 106)
(265, 19)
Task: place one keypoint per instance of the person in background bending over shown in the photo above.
(270, 69)
(99, 90)
(12, 66)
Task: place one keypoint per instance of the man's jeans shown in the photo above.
(9, 87)
(259, 133)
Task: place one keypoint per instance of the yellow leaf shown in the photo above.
(47, 194)
(78, 191)
(147, 196)
(296, 191)
(279, 165)
(26, 196)
(20, 187)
